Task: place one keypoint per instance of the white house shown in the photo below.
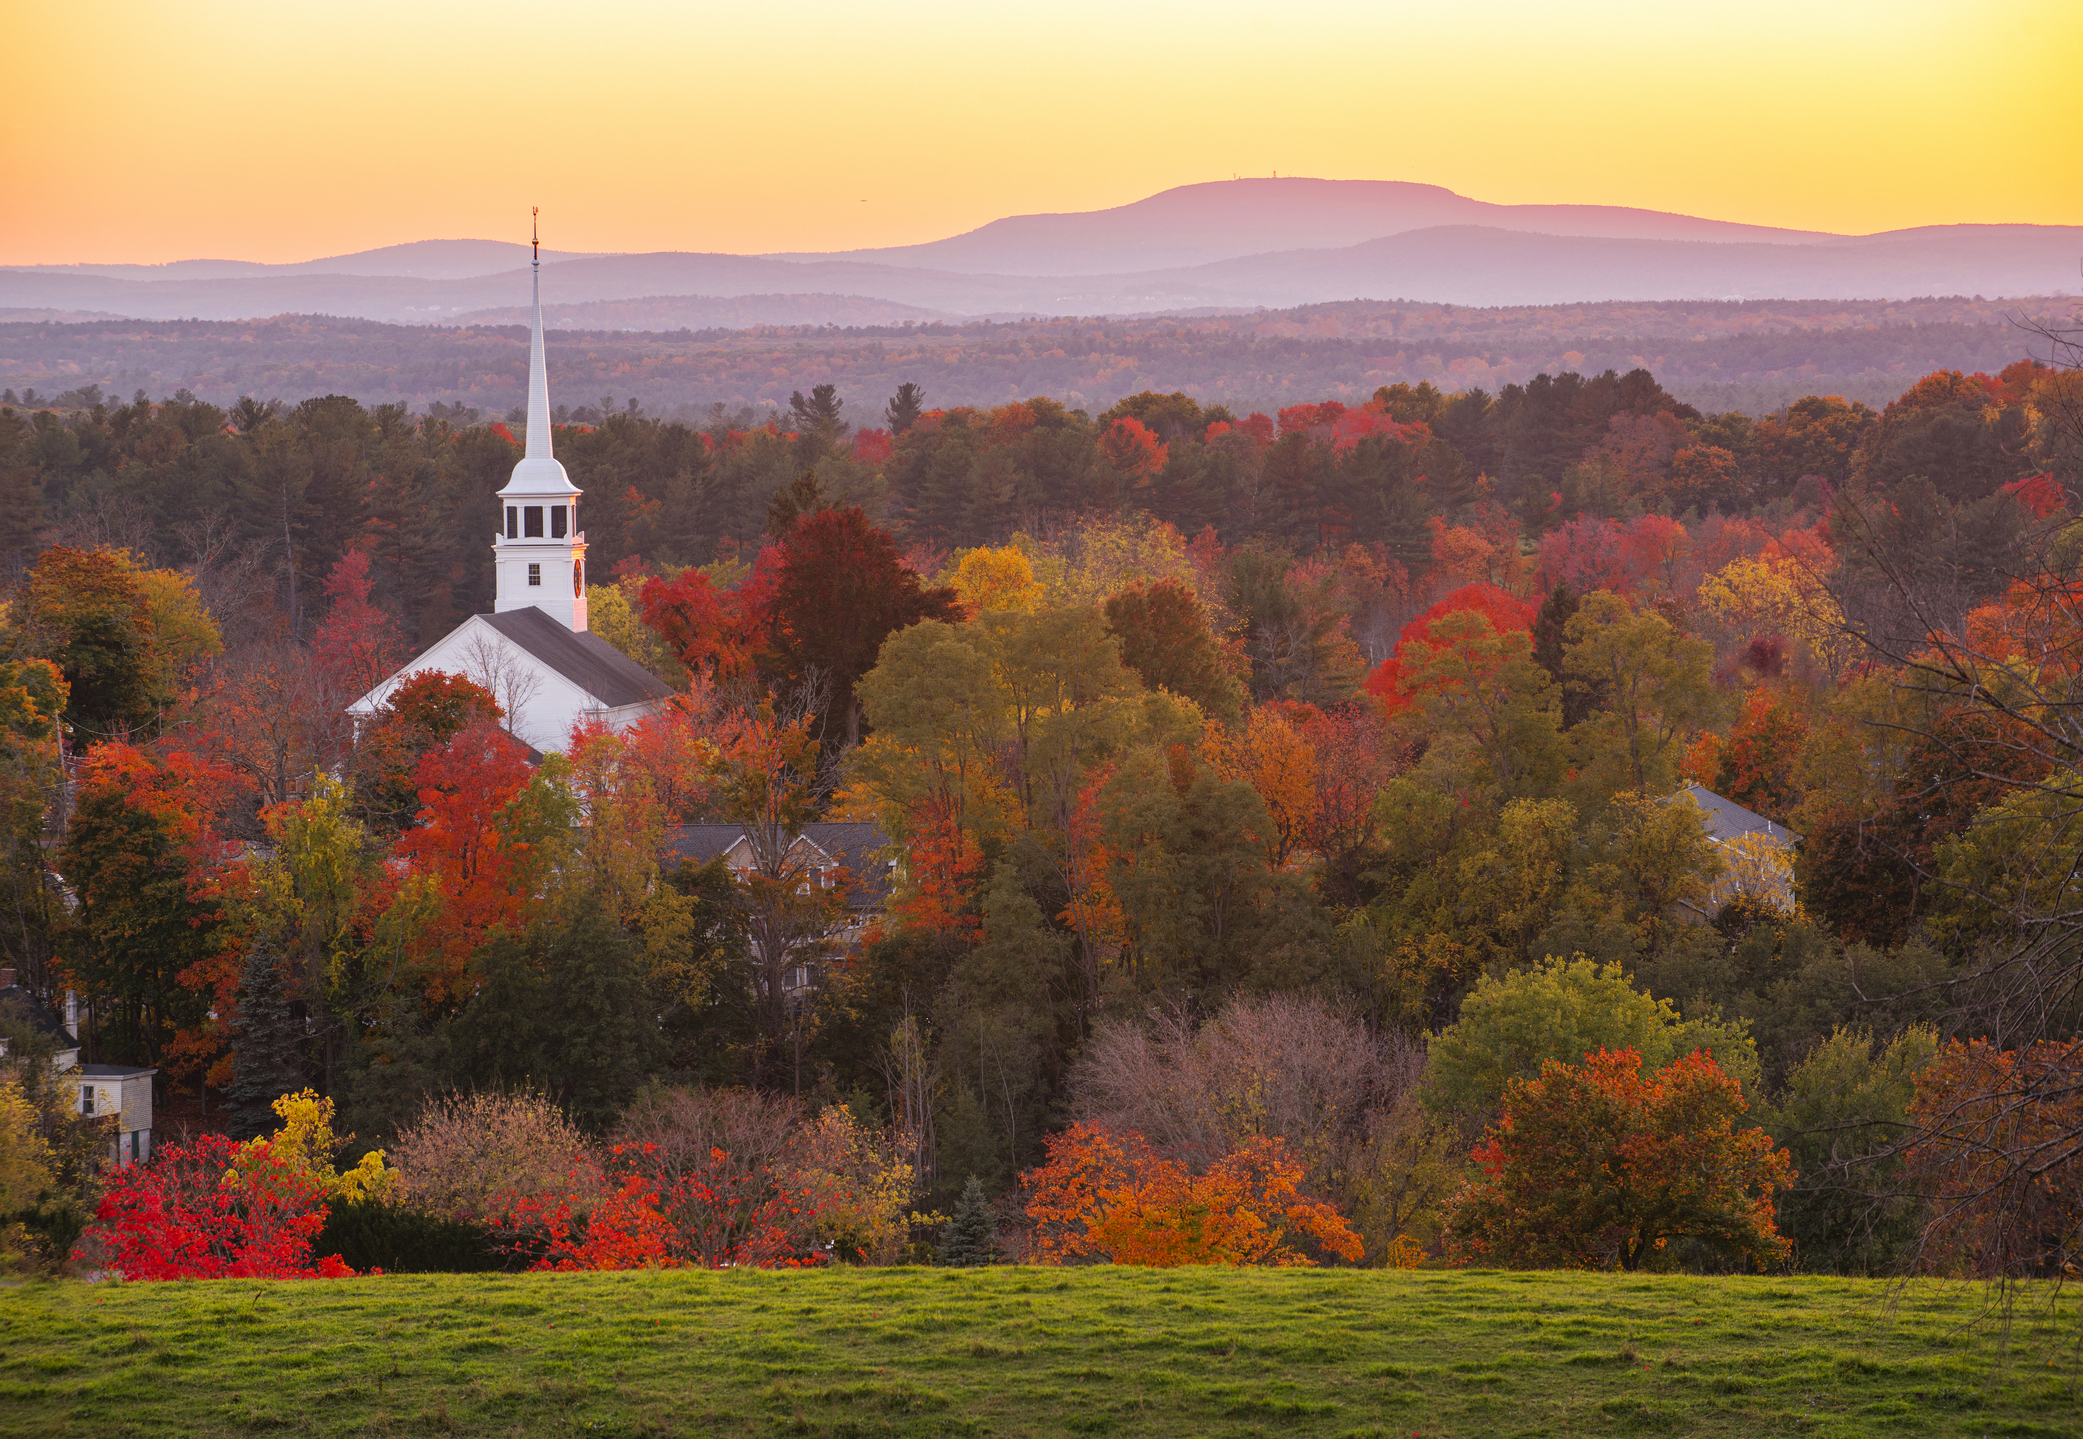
(1757, 852)
(122, 1092)
(534, 652)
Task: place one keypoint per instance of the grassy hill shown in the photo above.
(1032, 1352)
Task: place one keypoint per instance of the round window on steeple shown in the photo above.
(578, 579)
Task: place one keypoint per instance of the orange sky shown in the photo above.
(287, 132)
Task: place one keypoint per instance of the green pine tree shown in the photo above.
(971, 1238)
(269, 1039)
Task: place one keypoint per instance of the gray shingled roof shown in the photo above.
(699, 843)
(854, 845)
(1726, 820)
(19, 1007)
(582, 657)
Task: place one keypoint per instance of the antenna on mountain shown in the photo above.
(535, 234)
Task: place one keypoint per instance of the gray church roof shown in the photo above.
(1726, 820)
(582, 657)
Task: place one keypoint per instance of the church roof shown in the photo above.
(582, 657)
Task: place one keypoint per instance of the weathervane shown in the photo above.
(535, 234)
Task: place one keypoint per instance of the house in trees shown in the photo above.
(534, 652)
(1757, 854)
(827, 855)
(122, 1092)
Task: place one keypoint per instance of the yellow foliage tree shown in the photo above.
(997, 581)
(1752, 597)
(307, 1144)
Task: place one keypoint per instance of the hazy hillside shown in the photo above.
(1234, 245)
(1225, 219)
(1754, 356)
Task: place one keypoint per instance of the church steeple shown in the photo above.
(539, 552)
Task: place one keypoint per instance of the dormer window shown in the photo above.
(531, 522)
(535, 574)
(559, 514)
(513, 522)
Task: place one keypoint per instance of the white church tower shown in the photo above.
(539, 553)
(535, 655)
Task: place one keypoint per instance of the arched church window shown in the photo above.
(531, 522)
(535, 574)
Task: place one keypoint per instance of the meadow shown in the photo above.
(1010, 1351)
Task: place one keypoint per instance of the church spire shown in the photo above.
(538, 370)
(538, 551)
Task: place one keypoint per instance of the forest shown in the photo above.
(1287, 831)
(1751, 355)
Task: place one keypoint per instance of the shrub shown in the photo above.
(211, 1209)
(370, 1234)
(475, 1157)
(1112, 1197)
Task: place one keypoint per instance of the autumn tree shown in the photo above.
(87, 612)
(840, 590)
(1113, 1197)
(1655, 686)
(142, 855)
(1167, 640)
(1597, 1163)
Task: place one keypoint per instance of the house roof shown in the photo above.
(1726, 820)
(114, 1071)
(699, 843)
(853, 845)
(581, 656)
(19, 1007)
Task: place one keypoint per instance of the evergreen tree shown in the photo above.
(268, 1060)
(1579, 695)
(971, 1239)
(905, 407)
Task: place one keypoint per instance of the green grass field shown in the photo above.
(1031, 1352)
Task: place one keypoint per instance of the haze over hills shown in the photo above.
(1194, 224)
(1227, 245)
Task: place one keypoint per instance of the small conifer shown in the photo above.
(972, 1235)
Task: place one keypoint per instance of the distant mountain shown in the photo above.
(420, 259)
(1233, 245)
(1226, 219)
(709, 312)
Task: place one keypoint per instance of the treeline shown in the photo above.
(1754, 356)
(285, 492)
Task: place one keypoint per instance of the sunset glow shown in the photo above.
(275, 132)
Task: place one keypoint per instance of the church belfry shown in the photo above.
(539, 552)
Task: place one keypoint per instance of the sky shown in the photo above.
(276, 131)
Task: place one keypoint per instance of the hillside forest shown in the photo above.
(1751, 355)
(1282, 805)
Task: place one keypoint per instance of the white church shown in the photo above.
(534, 652)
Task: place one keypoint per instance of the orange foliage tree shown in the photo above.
(1112, 1197)
(1275, 759)
(1999, 1157)
(1598, 1162)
